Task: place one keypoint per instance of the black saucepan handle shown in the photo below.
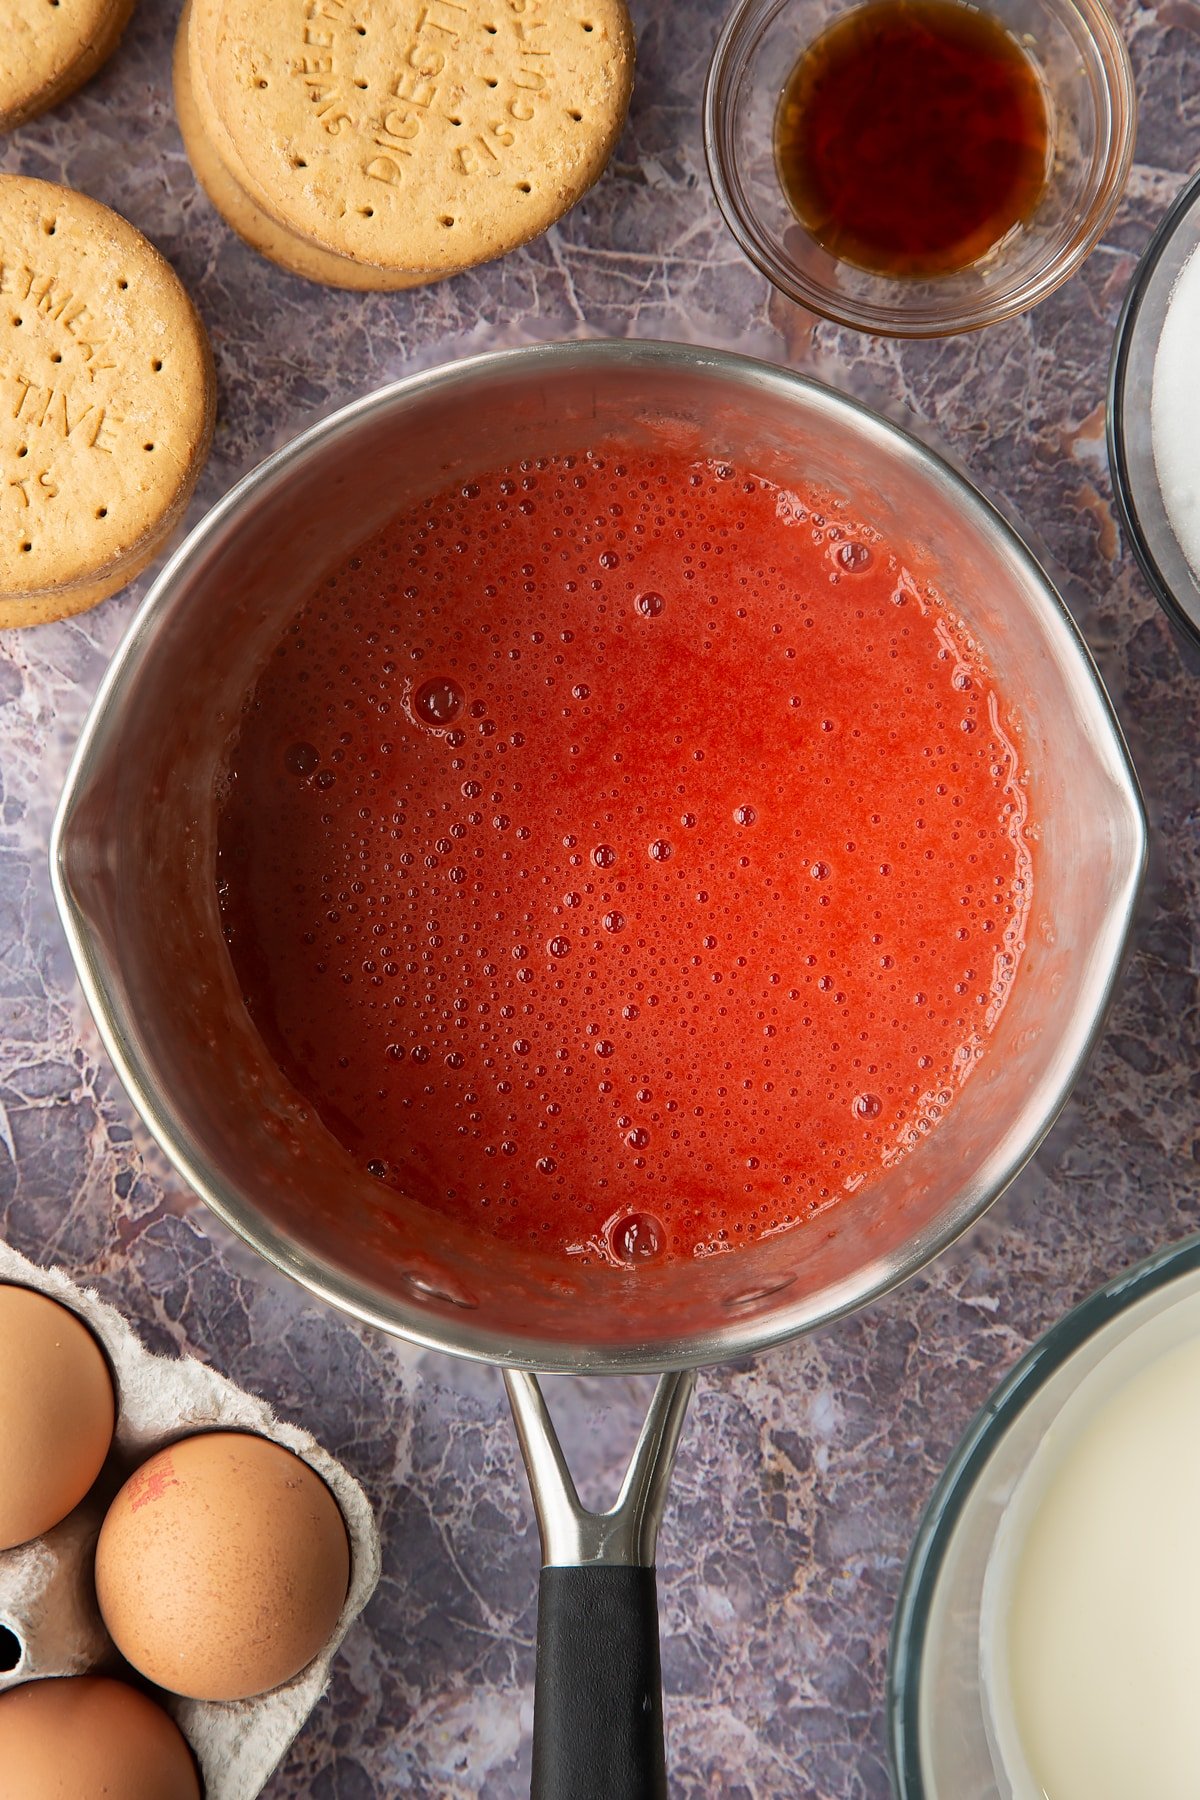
(597, 1712)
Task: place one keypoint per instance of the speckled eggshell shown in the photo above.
(222, 1566)
(84, 1737)
(57, 1413)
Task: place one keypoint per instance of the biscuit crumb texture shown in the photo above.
(107, 400)
(415, 134)
(48, 48)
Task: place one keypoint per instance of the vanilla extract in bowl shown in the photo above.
(912, 136)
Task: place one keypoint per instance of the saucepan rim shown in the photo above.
(387, 1310)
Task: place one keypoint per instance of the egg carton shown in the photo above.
(49, 1620)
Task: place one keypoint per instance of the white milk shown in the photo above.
(1175, 412)
(1091, 1632)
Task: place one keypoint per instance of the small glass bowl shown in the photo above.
(1089, 84)
(1130, 450)
(940, 1720)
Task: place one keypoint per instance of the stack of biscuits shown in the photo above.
(360, 143)
(109, 398)
(386, 143)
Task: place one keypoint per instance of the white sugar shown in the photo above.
(1175, 411)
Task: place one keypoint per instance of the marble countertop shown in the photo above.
(803, 1473)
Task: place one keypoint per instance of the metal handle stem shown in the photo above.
(627, 1534)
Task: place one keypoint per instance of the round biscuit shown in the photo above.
(107, 395)
(64, 602)
(51, 47)
(415, 134)
(252, 225)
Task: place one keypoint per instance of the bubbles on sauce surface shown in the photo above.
(854, 556)
(636, 1237)
(301, 759)
(527, 937)
(438, 701)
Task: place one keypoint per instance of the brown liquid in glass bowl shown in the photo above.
(912, 135)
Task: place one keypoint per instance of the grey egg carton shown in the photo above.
(49, 1620)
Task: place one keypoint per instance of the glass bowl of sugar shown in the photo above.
(1044, 1634)
(1154, 413)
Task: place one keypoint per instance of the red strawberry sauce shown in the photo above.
(621, 854)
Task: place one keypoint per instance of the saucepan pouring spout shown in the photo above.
(139, 834)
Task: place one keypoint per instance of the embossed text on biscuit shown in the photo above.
(316, 66)
(413, 90)
(55, 301)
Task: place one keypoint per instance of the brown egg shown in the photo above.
(56, 1413)
(222, 1566)
(84, 1737)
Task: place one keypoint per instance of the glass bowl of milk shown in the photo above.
(1045, 1641)
(1154, 413)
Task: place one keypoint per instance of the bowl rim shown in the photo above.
(968, 1464)
(1185, 202)
(1120, 111)
(388, 1311)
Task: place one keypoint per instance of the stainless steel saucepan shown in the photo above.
(133, 864)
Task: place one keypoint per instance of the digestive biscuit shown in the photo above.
(415, 134)
(235, 206)
(107, 400)
(51, 47)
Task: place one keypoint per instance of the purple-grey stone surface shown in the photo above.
(803, 1474)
